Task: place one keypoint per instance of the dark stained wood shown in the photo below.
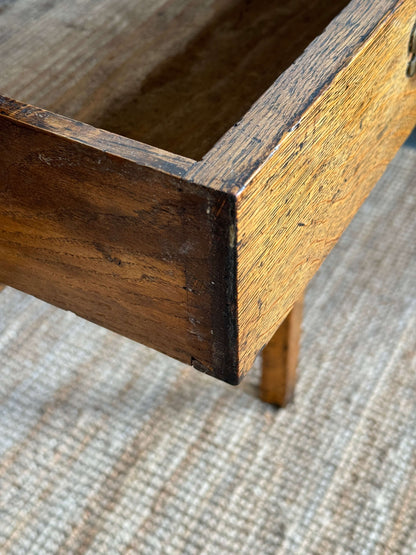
(280, 358)
(96, 225)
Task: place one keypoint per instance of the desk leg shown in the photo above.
(280, 358)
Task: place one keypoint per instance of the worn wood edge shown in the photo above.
(226, 361)
(235, 158)
(135, 151)
(399, 136)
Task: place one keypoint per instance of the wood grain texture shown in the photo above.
(202, 260)
(280, 359)
(246, 146)
(294, 208)
(97, 226)
(146, 155)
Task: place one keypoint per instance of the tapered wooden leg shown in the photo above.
(280, 358)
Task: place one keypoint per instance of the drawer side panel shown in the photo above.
(131, 248)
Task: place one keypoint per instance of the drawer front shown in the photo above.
(292, 211)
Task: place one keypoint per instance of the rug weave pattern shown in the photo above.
(109, 447)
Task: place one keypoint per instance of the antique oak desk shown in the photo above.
(241, 138)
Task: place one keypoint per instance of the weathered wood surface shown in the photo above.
(280, 358)
(95, 224)
(203, 260)
(293, 210)
(43, 120)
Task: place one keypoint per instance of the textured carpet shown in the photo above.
(109, 447)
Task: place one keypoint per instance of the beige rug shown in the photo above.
(109, 447)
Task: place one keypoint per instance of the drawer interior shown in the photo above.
(191, 99)
(176, 75)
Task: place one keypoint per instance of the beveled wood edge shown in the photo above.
(242, 150)
(135, 151)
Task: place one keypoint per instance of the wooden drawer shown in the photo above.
(263, 148)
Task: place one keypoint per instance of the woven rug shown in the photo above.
(109, 447)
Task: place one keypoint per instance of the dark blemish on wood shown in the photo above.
(230, 379)
(301, 224)
(334, 196)
(107, 255)
(114, 260)
(225, 363)
(151, 279)
(189, 289)
(199, 366)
